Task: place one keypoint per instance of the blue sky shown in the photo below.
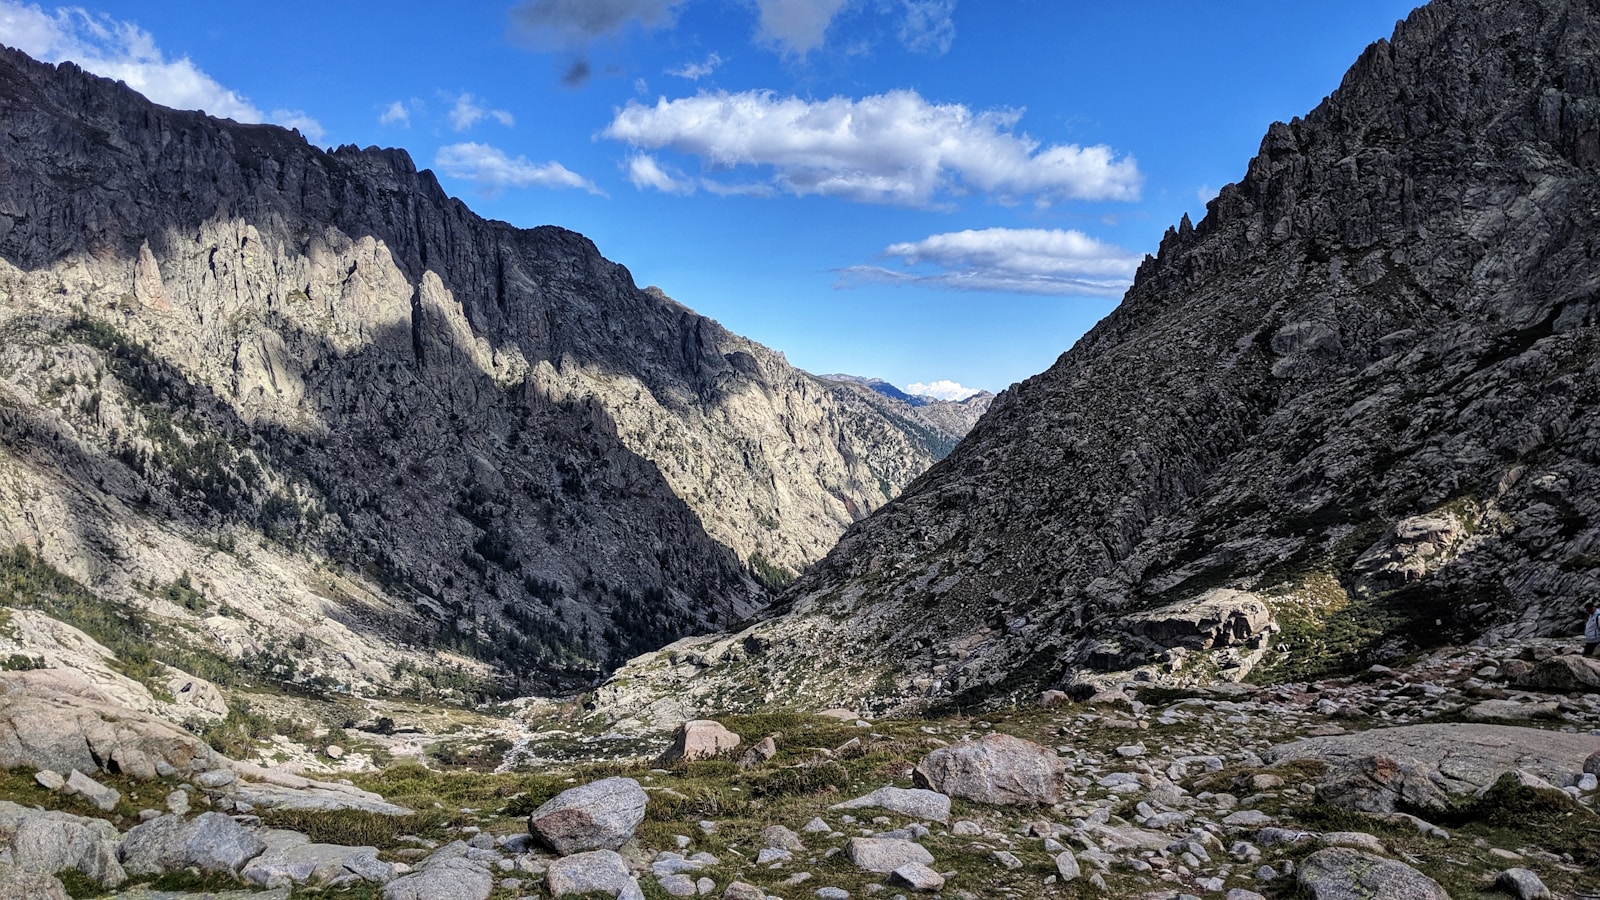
(919, 190)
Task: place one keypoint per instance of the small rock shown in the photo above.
(1007, 858)
(915, 803)
(50, 779)
(334, 751)
(104, 798)
(782, 838)
(884, 855)
(1522, 884)
(763, 751)
(595, 870)
(1067, 866)
(1247, 818)
(917, 876)
(816, 826)
(740, 890)
(677, 885)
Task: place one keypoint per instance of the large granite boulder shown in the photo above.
(1460, 758)
(601, 815)
(48, 842)
(1339, 873)
(698, 739)
(53, 719)
(210, 842)
(997, 768)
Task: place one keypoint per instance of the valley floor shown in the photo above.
(1438, 770)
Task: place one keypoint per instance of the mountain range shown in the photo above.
(1347, 416)
(346, 422)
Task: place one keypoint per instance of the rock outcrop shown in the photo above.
(227, 347)
(1361, 388)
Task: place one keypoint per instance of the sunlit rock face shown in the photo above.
(338, 399)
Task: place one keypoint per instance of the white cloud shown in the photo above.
(122, 50)
(696, 71)
(297, 119)
(929, 26)
(468, 112)
(943, 389)
(886, 148)
(493, 170)
(1013, 260)
(645, 172)
(396, 113)
(796, 26)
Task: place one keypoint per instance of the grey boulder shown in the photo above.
(884, 855)
(49, 843)
(602, 871)
(449, 879)
(997, 769)
(601, 815)
(916, 803)
(210, 842)
(1338, 873)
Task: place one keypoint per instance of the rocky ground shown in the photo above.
(1437, 778)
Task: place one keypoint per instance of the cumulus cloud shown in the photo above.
(557, 24)
(929, 26)
(696, 71)
(1016, 260)
(468, 112)
(396, 113)
(943, 389)
(886, 148)
(796, 27)
(124, 51)
(645, 172)
(493, 170)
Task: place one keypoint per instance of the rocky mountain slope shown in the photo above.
(948, 420)
(302, 406)
(1348, 414)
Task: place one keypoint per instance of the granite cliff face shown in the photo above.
(326, 396)
(1349, 414)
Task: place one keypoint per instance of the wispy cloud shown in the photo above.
(1007, 260)
(943, 389)
(493, 170)
(886, 148)
(795, 27)
(645, 172)
(468, 111)
(694, 71)
(929, 26)
(396, 113)
(122, 50)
